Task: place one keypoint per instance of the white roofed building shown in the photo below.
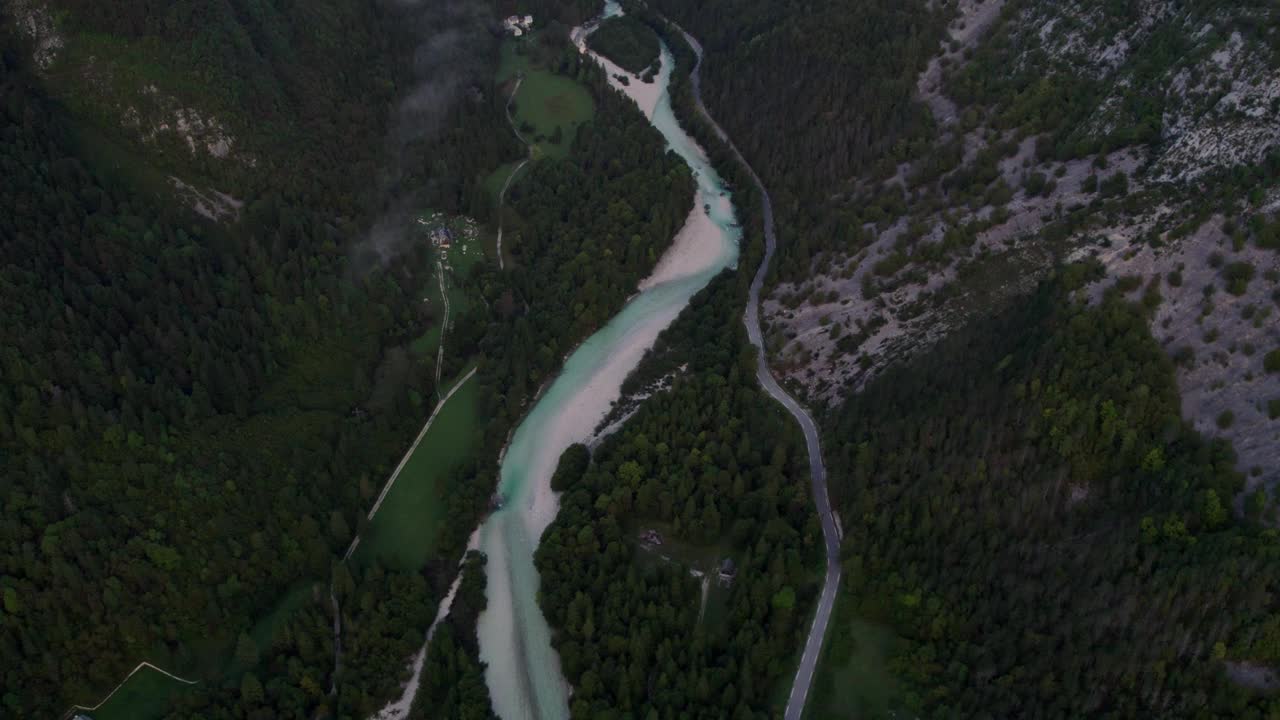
(518, 25)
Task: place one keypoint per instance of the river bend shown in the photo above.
(523, 674)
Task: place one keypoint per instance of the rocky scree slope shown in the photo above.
(1142, 137)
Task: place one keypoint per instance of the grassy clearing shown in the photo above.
(145, 696)
(403, 533)
(554, 107)
(705, 557)
(547, 105)
(853, 678)
(427, 343)
(716, 614)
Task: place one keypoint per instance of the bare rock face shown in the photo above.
(1218, 330)
(159, 117)
(35, 22)
(1164, 131)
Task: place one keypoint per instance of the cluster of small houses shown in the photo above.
(441, 237)
(651, 539)
(518, 25)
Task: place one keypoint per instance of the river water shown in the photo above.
(523, 674)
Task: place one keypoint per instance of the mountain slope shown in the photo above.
(192, 407)
(1143, 133)
(1129, 146)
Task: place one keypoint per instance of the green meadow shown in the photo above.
(403, 533)
(853, 678)
(548, 106)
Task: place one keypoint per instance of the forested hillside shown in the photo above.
(993, 139)
(1031, 527)
(813, 94)
(194, 415)
(143, 350)
(1027, 512)
(245, 95)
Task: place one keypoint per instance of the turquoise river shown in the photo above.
(523, 671)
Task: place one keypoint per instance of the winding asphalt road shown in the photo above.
(817, 470)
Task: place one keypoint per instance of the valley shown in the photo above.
(640, 358)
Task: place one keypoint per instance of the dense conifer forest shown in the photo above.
(159, 370)
(812, 94)
(627, 42)
(1028, 513)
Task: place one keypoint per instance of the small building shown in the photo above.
(441, 237)
(518, 25)
(651, 538)
(727, 571)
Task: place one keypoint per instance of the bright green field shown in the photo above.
(853, 678)
(403, 533)
(426, 344)
(146, 695)
(546, 101)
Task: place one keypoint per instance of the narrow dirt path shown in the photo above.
(502, 196)
(144, 664)
(333, 598)
(408, 454)
(337, 638)
(444, 328)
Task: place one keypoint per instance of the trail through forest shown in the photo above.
(144, 664)
(444, 328)
(817, 470)
(502, 195)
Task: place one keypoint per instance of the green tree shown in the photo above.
(251, 689)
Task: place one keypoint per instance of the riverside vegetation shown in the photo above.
(722, 470)
(716, 461)
(626, 41)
